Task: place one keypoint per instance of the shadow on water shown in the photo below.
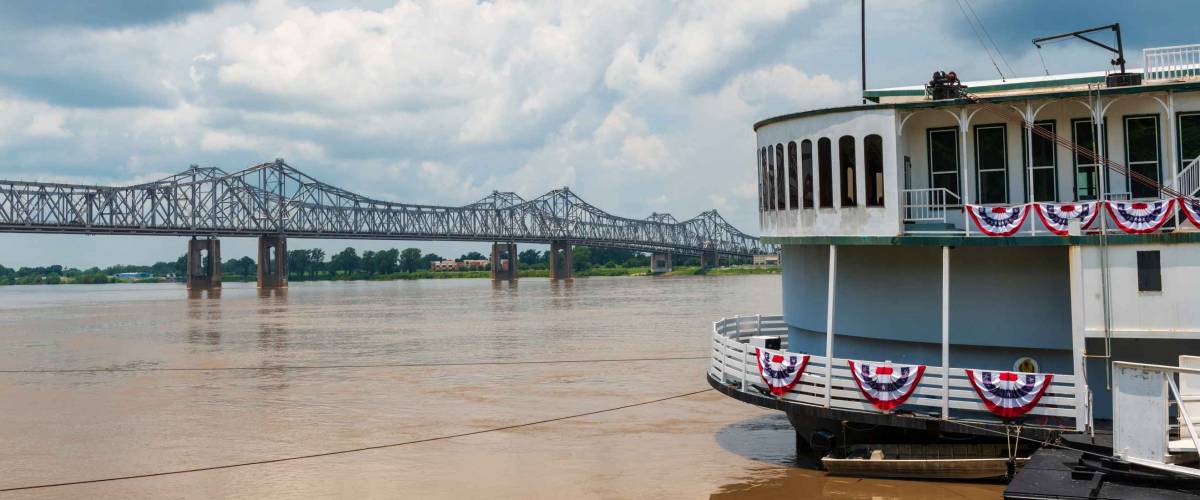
(770, 440)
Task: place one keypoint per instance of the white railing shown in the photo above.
(733, 363)
(928, 204)
(1188, 180)
(1171, 63)
(1142, 397)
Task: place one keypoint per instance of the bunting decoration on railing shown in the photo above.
(1056, 216)
(1009, 394)
(780, 370)
(1140, 217)
(998, 220)
(886, 385)
(1191, 208)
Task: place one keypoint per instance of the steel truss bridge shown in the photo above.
(277, 199)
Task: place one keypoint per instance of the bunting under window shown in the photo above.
(1140, 217)
(998, 220)
(1191, 208)
(1057, 216)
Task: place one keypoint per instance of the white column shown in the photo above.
(1101, 166)
(964, 125)
(1083, 413)
(945, 332)
(1171, 153)
(832, 287)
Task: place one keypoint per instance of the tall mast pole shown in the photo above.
(862, 31)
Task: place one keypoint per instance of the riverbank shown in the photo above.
(422, 275)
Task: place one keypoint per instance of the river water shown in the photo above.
(58, 427)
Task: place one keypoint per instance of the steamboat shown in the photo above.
(978, 275)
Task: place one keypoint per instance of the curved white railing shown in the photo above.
(734, 364)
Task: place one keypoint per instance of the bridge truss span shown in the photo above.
(276, 199)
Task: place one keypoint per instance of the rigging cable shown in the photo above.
(345, 451)
(989, 37)
(980, 38)
(338, 367)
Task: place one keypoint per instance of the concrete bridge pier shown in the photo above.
(561, 268)
(272, 262)
(660, 262)
(709, 259)
(204, 264)
(504, 268)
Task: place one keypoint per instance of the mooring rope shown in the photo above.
(346, 366)
(345, 451)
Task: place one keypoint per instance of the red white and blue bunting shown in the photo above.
(1009, 394)
(1191, 208)
(1057, 216)
(1140, 217)
(998, 220)
(780, 370)
(886, 385)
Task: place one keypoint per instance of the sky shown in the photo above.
(637, 106)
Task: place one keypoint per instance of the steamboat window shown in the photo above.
(806, 166)
(943, 159)
(1149, 267)
(1087, 181)
(770, 177)
(991, 163)
(780, 179)
(1141, 154)
(1044, 170)
(873, 157)
(762, 178)
(846, 162)
(1189, 139)
(793, 182)
(825, 170)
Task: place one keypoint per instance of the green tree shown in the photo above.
(347, 260)
(410, 259)
(530, 257)
(429, 259)
(472, 256)
(367, 263)
(582, 256)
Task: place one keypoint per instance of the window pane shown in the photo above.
(1189, 138)
(770, 177)
(1043, 148)
(873, 155)
(806, 162)
(1143, 139)
(946, 181)
(1083, 137)
(1139, 189)
(991, 187)
(1085, 183)
(793, 187)
(1043, 184)
(780, 179)
(989, 144)
(848, 174)
(943, 151)
(762, 178)
(825, 166)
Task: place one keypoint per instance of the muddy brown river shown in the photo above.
(58, 427)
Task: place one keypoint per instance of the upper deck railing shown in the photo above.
(938, 395)
(1172, 63)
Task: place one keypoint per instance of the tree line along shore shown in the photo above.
(392, 264)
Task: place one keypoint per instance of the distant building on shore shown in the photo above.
(771, 259)
(454, 265)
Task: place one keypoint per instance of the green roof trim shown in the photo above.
(996, 87)
(1048, 240)
(1137, 89)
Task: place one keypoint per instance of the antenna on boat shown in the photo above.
(1121, 79)
(862, 31)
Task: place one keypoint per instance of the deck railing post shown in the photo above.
(832, 290)
(945, 333)
(738, 334)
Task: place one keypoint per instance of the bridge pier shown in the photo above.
(502, 269)
(709, 259)
(660, 262)
(204, 264)
(561, 268)
(272, 262)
